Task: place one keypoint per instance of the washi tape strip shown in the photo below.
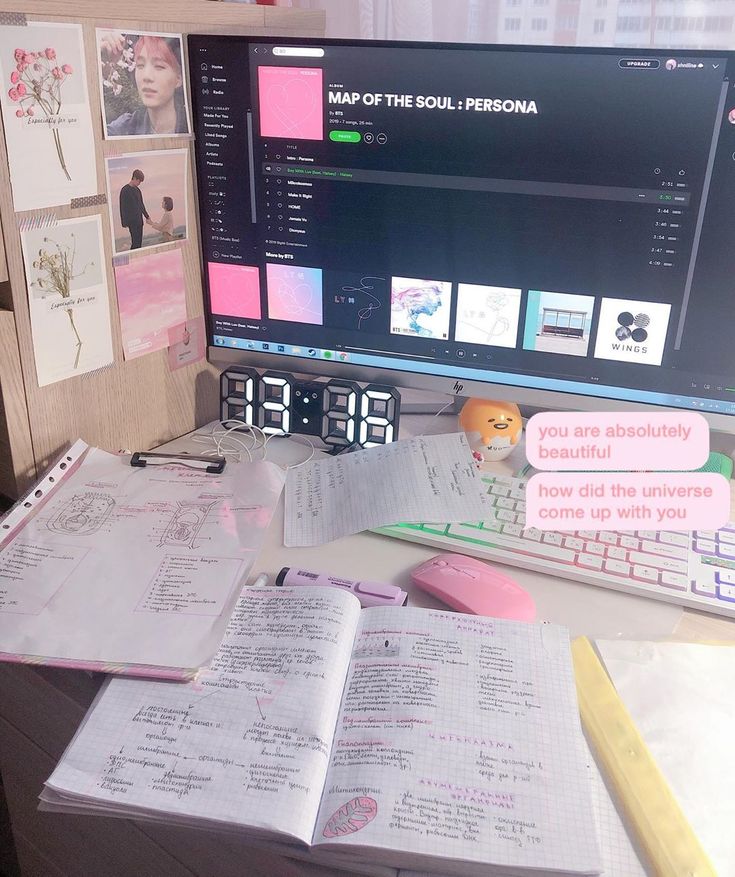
(88, 201)
(119, 261)
(15, 19)
(648, 804)
(37, 220)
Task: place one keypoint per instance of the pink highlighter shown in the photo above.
(368, 593)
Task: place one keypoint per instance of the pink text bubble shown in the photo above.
(627, 501)
(625, 440)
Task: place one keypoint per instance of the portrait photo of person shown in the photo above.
(143, 84)
(147, 196)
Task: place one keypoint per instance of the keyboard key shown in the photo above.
(587, 534)
(512, 529)
(552, 539)
(505, 515)
(482, 537)
(594, 548)
(675, 580)
(726, 592)
(705, 546)
(533, 533)
(725, 550)
(573, 543)
(590, 561)
(504, 502)
(672, 564)
(645, 574)
(436, 529)
(492, 526)
(646, 534)
(705, 587)
(521, 507)
(629, 542)
(498, 490)
(608, 538)
(616, 553)
(617, 567)
(726, 536)
(680, 539)
(535, 549)
(706, 534)
(662, 548)
(725, 577)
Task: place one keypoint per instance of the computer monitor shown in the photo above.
(548, 225)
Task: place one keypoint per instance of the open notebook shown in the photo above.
(399, 737)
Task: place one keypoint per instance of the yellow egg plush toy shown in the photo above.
(493, 428)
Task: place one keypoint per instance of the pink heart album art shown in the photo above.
(294, 293)
(291, 102)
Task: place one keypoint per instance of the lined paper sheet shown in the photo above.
(429, 478)
(246, 744)
(459, 738)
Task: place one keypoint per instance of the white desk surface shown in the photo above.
(584, 609)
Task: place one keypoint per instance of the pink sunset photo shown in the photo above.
(151, 297)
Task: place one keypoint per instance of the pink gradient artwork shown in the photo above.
(294, 293)
(291, 102)
(151, 299)
(234, 290)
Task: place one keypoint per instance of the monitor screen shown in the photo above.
(472, 217)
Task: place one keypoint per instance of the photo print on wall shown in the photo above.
(46, 115)
(68, 298)
(147, 194)
(143, 84)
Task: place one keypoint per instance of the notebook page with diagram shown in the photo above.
(459, 739)
(397, 737)
(120, 566)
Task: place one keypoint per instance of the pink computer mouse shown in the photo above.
(470, 585)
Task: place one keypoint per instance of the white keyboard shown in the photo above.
(694, 569)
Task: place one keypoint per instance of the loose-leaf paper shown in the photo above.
(68, 298)
(151, 298)
(46, 115)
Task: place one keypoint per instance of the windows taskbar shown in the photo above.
(453, 371)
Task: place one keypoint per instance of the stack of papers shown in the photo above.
(132, 570)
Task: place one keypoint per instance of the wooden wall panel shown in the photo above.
(135, 404)
(17, 465)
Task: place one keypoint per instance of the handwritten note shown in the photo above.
(196, 585)
(134, 566)
(401, 737)
(464, 733)
(430, 478)
(248, 742)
